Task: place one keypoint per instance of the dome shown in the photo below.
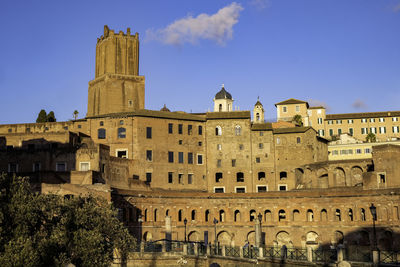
(223, 94)
(164, 108)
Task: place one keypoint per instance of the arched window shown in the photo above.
(155, 215)
(145, 215)
(282, 215)
(253, 215)
(338, 215)
(268, 216)
(207, 215)
(324, 215)
(218, 130)
(239, 177)
(351, 216)
(296, 215)
(121, 132)
(180, 215)
(257, 116)
(237, 216)
(310, 215)
(221, 215)
(363, 216)
(238, 130)
(220, 107)
(101, 133)
(167, 213)
(218, 176)
(261, 175)
(298, 140)
(283, 175)
(193, 215)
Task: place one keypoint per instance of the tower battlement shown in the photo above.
(111, 33)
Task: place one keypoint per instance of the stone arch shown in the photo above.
(324, 215)
(299, 174)
(312, 238)
(222, 216)
(363, 238)
(224, 238)
(251, 237)
(194, 236)
(296, 215)
(323, 181)
(338, 215)
(386, 241)
(384, 214)
(252, 215)
(338, 238)
(310, 215)
(167, 212)
(283, 238)
(282, 215)
(147, 236)
(356, 175)
(339, 176)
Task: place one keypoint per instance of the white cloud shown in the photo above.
(260, 4)
(359, 104)
(217, 27)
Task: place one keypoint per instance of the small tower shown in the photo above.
(258, 112)
(223, 101)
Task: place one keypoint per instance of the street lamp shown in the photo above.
(373, 212)
(185, 222)
(215, 221)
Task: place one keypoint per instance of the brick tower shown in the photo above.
(117, 86)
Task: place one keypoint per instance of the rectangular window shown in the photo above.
(338, 121)
(297, 108)
(330, 132)
(148, 177)
(261, 188)
(180, 178)
(121, 132)
(180, 128)
(36, 166)
(321, 132)
(149, 155)
(381, 119)
(121, 153)
(200, 143)
(170, 156)
(148, 132)
(395, 119)
(190, 178)
(84, 166)
(170, 128)
(364, 130)
(12, 167)
(240, 189)
(363, 120)
(335, 152)
(233, 162)
(358, 151)
(190, 158)
(282, 187)
(319, 120)
(373, 130)
(101, 133)
(180, 157)
(284, 109)
(350, 151)
(241, 147)
(382, 130)
(339, 131)
(258, 160)
(395, 129)
(330, 121)
(200, 130)
(190, 129)
(350, 121)
(61, 166)
(343, 152)
(351, 131)
(219, 189)
(372, 120)
(219, 147)
(260, 145)
(261, 133)
(199, 159)
(219, 163)
(367, 151)
(170, 177)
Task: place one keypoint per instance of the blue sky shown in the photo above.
(343, 53)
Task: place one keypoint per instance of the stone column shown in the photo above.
(340, 256)
(261, 252)
(258, 233)
(375, 257)
(185, 249)
(223, 250)
(309, 253)
(168, 228)
(196, 249)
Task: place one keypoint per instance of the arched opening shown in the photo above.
(283, 238)
(155, 214)
(237, 217)
(167, 213)
(323, 181)
(147, 236)
(363, 215)
(207, 215)
(251, 238)
(145, 215)
(296, 215)
(338, 237)
(224, 238)
(193, 215)
(310, 215)
(324, 215)
(267, 216)
(351, 215)
(261, 175)
(253, 215)
(257, 116)
(299, 174)
(222, 216)
(312, 238)
(363, 238)
(283, 175)
(282, 215)
(356, 175)
(338, 215)
(194, 236)
(220, 107)
(180, 215)
(339, 177)
(386, 241)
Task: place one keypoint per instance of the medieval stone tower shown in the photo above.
(258, 112)
(117, 86)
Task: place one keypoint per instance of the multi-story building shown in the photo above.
(163, 166)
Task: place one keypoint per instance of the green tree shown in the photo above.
(49, 230)
(75, 114)
(297, 120)
(42, 116)
(371, 138)
(51, 117)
